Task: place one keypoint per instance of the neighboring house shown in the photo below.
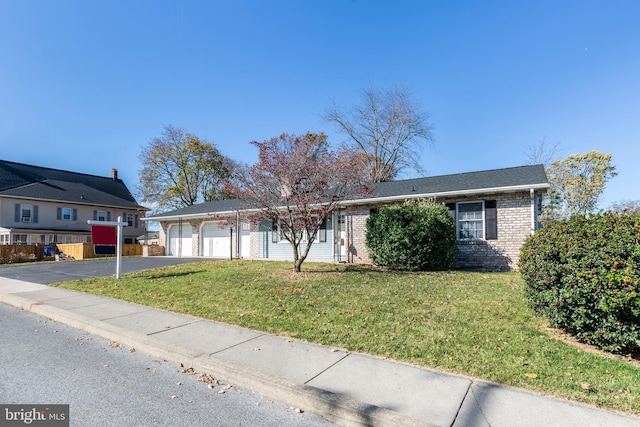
(47, 206)
(149, 238)
(494, 210)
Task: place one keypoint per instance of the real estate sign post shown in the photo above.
(103, 237)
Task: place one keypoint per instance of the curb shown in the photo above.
(334, 407)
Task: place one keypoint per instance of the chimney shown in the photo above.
(114, 173)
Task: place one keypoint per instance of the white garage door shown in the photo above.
(180, 240)
(215, 241)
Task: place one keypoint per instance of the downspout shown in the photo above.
(337, 250)
(532, 193)
(238, 230)
(180, 238)
(231, 242)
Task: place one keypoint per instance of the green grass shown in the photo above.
(471, 323)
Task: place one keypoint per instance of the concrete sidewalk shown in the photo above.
(348, 388)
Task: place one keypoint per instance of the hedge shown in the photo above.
(414, 236)
(583, 274)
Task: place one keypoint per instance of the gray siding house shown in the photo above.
(43, 205)
(494, 210)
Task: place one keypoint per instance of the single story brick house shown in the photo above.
(494, 210)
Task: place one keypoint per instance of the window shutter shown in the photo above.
(75, 214)
(490, 220)
(135, 221)
(108, 216)
(17, 212)
(58, 213)
(452, 210)
(95, 215)
(35, 214)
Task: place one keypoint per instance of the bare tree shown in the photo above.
(387, 128)
(625, 206)
(543, 153)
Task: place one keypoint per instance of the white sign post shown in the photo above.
(119, 224)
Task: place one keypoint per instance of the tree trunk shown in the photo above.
(297, 261)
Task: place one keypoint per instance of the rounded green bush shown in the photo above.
(415, 236)
(583, 274)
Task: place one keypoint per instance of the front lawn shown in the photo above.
(471, 323)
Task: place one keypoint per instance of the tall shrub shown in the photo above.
(414, 236)
(583, 274)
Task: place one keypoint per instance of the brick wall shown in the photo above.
(356, 227)
(514, 225)
(254, 242)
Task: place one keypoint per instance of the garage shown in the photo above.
(180, 240)
(216, 240)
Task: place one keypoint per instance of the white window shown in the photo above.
(130, 220)
(20, 239)
(102, 216)
(26, 213)
(36, 238)
(470, 221)
(66, 214)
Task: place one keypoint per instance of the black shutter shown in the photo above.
(95, 215)
(452, 210)
(58, 213)
(75, 214)
(490, 220)
(323, 230)
(17, 211)
(35, 214)
(108, 216)
(135, 221)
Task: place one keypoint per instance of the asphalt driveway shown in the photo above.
(45, 273)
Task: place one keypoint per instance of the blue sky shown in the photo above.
(85, 84)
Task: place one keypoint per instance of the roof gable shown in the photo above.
(34, 182)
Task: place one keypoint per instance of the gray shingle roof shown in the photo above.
(522, 177)
(470, 181)
(202, 209)
(40, 183)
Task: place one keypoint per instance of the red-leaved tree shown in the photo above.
(297, 183)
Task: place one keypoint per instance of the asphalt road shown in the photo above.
(43, 362)
(45, 273)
